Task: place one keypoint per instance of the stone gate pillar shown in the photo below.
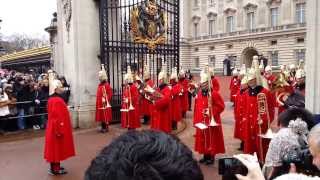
(76, 55)
(312, 59)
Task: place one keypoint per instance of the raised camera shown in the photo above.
(229, 167)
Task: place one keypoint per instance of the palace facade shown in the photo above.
(217, 31)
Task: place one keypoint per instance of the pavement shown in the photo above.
(22, 158)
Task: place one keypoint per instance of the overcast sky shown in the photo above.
(26, 16)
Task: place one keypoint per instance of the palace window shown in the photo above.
(211, 2)
(197, 62)
(274, 16)
(211, 27)
(212, 61)
(250, 20)
(300, 55)
(196, 30)
(196, 3)
(274, 56)
(230, 24)
(300, 13)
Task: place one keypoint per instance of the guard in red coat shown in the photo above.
(299, 85)
(130, 117)
(240, 110)
(176, 92)
(147, 105)
(103, 106)
(234, 86)
(269, 76)
(161, 117)
(214, 81)
(207, 121)
(184, 96)
(260, 113)
(59, 144)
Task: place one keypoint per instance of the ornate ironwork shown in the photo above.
(148, 24)
(149, 38)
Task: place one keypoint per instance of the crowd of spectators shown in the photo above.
(23, 100)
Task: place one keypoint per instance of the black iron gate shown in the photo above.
(118, 49)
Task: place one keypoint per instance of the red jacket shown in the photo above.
(252, 130)
(239, 114)
(160, 118)
(234, 87)
(59, 140)
(184, 97)
(176, 110)
(209, 141)
(146, 104)
(215, 84)
(104, 92)
(130, 119)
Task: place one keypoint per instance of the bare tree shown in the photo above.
(20, 42)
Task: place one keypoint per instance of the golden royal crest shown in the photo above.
(148, 24)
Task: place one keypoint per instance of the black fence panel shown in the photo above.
(119, 50)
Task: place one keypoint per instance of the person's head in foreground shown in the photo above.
(255, 173)
(144, 155)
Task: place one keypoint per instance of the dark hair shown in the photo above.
(64, 83)
(144, 155)
(294, 113)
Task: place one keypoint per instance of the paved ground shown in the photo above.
(23, 159)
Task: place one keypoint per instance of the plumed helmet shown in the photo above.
(235, 72)
(204, 77)
(268, 68)
(243, 70)
(163, 76)
(244, 80)
(251, 74)
(174, 74)
(146, 73)
(129, 76)
(182, 73)
(300, 73)
(261, 66)
(102, 73)
(53, 83)
(292, 67)
(211, 71)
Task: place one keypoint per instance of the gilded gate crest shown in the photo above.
(148, 24)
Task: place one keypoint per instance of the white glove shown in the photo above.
(252, 164)
(37, 101)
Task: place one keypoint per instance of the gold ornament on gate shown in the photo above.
(148, 24)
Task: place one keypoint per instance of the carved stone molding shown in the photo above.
(212, 15)
(196, 19)
(67, 15)
(273, 2)
(230, 10)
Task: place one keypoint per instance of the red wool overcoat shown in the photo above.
(252, 142)
(146, 104)
(104, 92)
(240, 114)
(184, 97)
(215, 84)
(59, 140)
(130, 119)
(270, 79)
(234, 87)
(176, 110)
(161, 118)
(210, 140)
